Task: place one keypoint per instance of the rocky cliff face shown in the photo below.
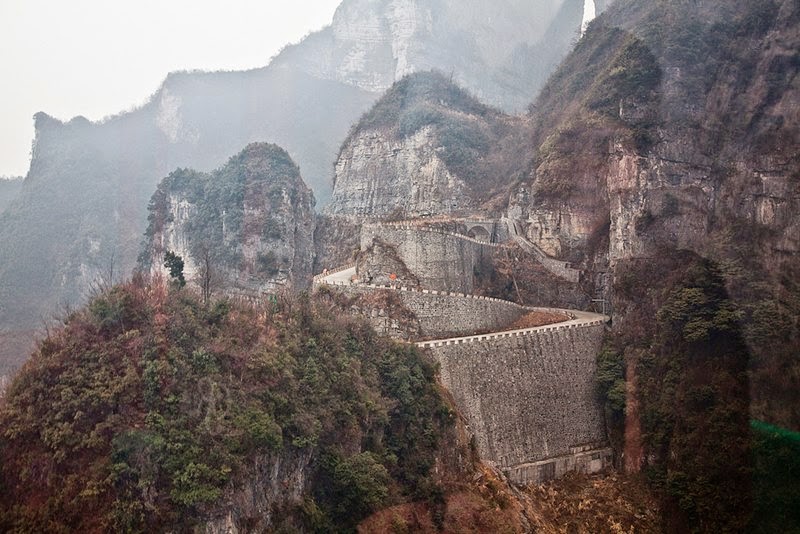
(9, 189)
(247, 227)
(650, 142)
(377, 176)
(670, 149)
(501, 52)
(426, 148)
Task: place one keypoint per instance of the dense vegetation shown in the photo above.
(695, 403)
(716, 471)
(142, 412)
(258, 196)
(776, 471)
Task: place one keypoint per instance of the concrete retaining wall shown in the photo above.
(588, 459)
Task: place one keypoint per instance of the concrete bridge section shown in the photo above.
(528, 395)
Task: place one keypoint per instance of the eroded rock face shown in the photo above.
(373, 43)
(253, 503)
(378, 176)
(247, 227)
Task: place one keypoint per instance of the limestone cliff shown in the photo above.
(672, 127)
(246, 227)
(380, 176)
(667, 149)
(9, 189)
(500, 51)
(422, 150)
(83, 209)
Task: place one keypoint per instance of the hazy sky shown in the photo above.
(99, 57)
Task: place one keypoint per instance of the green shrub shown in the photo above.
(147, 405)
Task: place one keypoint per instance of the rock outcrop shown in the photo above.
(649, 142)
(247, 227)
(9, 189)
(499, 51)
(84, 208)
(378, 176)
(662, 151)
(422, 150)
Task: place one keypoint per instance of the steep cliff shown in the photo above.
(648, 139)
(665, 162)
(84, 207)
(9, 189)
(426, 148)
(248, 226)
(501, 51)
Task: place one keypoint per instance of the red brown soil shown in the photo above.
(633, 450)
(537, 318)
(575, 504)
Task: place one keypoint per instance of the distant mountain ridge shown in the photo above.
(501, 52)
(83, 206)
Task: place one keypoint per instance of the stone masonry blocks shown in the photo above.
(527, 398)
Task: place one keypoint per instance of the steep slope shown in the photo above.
(173, 416)
(9, 189)
(684, 137)
(248, 226)
(666, 161)
(500, 51)
(88, 185)
(426, 148)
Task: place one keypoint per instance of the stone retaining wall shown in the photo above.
(526, 398)
(438, 260)
(443, 314)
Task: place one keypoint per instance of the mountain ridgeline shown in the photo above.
(83, 209)
(659, 167)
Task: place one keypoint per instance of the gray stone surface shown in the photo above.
(527, 398)
(378, 176)
(447, 314)
(437, 260)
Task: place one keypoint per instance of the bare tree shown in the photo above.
(209, 277)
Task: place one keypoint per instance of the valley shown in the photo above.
(441, 267)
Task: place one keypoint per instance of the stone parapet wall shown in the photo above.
(379, 229)
(318, 278)
(443, 314)
(527, 397)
